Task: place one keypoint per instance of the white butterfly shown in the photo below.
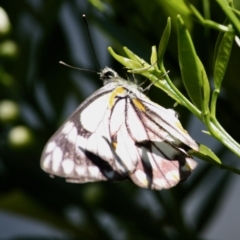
(119, 133)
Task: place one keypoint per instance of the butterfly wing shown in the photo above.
(161, 143)
(80, 149)
(119, 133)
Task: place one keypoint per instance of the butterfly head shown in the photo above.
(108, 75)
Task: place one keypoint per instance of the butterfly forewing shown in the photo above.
(119, 133)
(79, 150)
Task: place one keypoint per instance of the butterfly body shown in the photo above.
(118, 133)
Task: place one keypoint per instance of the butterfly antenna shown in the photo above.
(90, 39)
(82, 69)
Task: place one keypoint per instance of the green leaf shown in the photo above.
(207, 154)
(218, 42)
(222, 57)
(230, 14)
(163, 43)
(205, 90)
(154, 57)
(192, 70)
(135, 63)
(179, 6)
(129, 63)
(144, 66)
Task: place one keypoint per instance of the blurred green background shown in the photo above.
(37, 95)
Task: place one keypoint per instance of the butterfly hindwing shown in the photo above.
(162, 160)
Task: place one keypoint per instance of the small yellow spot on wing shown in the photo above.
(138, 104)
(116, 92)
(142, 178)
(186, 167)
(178, 124)
(176, 176)
(114, 144)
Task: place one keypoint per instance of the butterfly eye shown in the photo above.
(109, 74)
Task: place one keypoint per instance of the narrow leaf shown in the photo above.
(191, 70)
(205, 90)
(222, 58)
(230, 14)
(129, 63)
(163, 42)
(218, 42)
(154, 57)
(207, 154)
